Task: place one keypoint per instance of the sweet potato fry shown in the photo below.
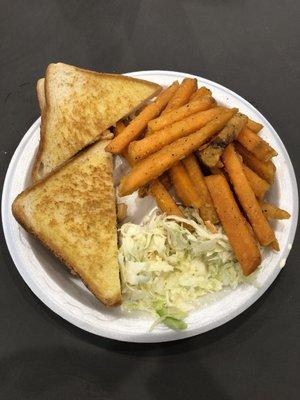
(212, 154)
(180, 178)
(180, 113)
(139, 123)
(274, 245)
(184, 187)
(256, 145)
(254, 126)
(246, 196)
(163, 199)
(265, 170)
(203, 91)
(154, 165)
(242, 242)
(120, 126)
(273, 212)
(206, 210)
(250, 229)
(154, 142)
(164, 179)
(259, 185)
(182, 184)
(180, 97)
(182, 94)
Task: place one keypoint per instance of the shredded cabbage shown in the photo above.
(166, 267)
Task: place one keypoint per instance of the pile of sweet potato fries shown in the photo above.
(213, 157)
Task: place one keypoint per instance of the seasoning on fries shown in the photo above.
(153, 142)
(206, 210)
(272, 212)
(256, 145)
(153, 166)
(259, 185)
(232, 154)
(254, 126)
(157, 189)
(203, 91)
(163, 199)
(265, 170)
(182, 94)
(184, 186)
(246, 197)
(139, 123)
(180, 97)
(234, 224)
(166, 119)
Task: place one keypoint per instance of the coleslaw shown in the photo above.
(168, 263)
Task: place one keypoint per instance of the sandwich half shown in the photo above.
(77, 106)
(72, 212)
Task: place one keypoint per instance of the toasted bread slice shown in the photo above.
(79, 106)
(72, 212)
(40, 90)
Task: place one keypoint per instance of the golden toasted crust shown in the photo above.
(40, 90)
(79, 106)
(72, 212)
(41, 95)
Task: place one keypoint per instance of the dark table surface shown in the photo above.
(251, 47)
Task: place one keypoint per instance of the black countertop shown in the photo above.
(251, 47)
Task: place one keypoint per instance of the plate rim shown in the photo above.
(167, 335)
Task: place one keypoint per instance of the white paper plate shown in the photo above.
(69, 298)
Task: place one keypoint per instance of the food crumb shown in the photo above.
(282, 263)
(121, 211)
